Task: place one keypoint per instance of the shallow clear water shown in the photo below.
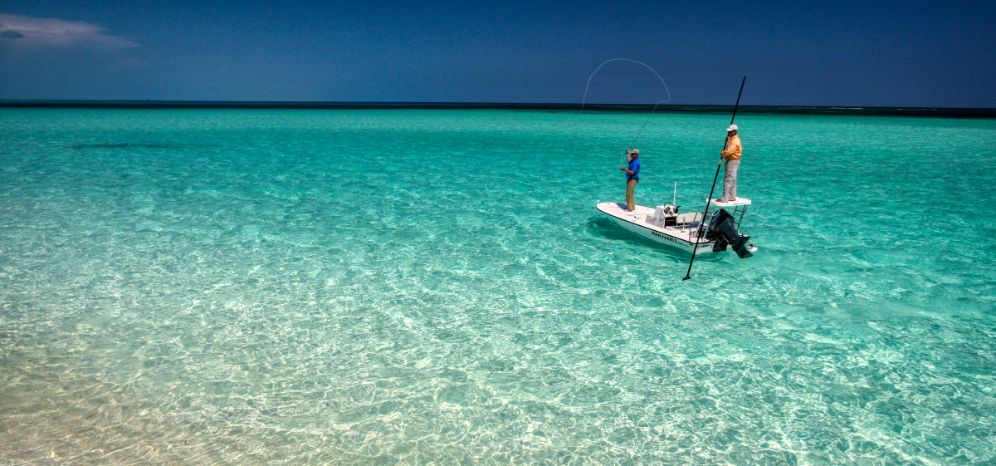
(437, 286)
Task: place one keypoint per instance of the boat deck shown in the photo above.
(684, 231)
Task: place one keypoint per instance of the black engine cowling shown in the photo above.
(723, 230)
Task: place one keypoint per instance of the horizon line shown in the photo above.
(972, 112)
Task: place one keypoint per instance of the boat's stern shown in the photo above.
(723, 229)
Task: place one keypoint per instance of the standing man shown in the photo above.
(632, 176)
(731, 153)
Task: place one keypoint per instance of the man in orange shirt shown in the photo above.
(732, 155)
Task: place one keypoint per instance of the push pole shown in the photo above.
(688, 274)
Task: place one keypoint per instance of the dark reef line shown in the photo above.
(814, 110)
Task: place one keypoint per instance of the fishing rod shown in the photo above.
(688, 274)
(645, 122)
(639, 133)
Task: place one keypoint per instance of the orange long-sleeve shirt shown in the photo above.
(733, 148)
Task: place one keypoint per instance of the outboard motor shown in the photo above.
(723, 230)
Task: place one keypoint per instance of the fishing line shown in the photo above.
(587, 87)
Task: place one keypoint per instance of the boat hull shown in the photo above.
(635, 222)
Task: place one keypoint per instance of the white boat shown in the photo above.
(665, 225)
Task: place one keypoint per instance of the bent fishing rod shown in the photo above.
(688, 274)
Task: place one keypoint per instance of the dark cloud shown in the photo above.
(11, 34)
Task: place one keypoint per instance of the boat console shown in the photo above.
(664, 216)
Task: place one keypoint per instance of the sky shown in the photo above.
(836, 53)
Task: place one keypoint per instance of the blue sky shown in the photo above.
(794, 53)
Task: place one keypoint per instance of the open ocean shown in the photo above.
(436, 286)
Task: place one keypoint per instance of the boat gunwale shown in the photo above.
(652, 228)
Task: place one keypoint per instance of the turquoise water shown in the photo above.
(241, 286)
